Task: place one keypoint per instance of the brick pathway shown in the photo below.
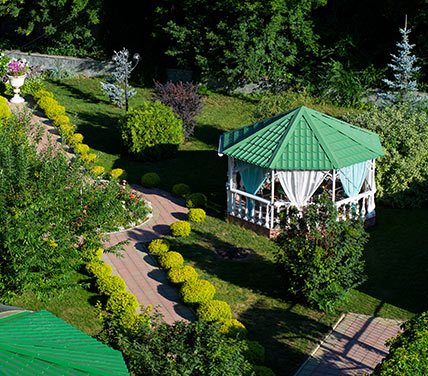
(139, 270)
(354, 347)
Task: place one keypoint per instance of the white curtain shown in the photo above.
(299, 186)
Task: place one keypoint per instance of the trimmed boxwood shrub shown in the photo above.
(171, 260)
(180, 228)
(110, 284)
(408, 354)
(183, 274)
(158, 247)
(196, 200)
(82, 148)
(181, 190)
(150, 180)
(4, 111)
(60, 120)
(98, 269)
(151, 131)
(94, 254)
(214, 310)
(254, 352)
(75, 139)
(42, 93)
(196, 215)
(197, 291)
(122, 303)
(232, 328)
(263, 371)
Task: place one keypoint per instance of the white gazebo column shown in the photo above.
(230, 195)
(272, 199)
(333, 195)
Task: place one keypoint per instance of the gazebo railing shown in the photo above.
(250, 208)
(358, 204)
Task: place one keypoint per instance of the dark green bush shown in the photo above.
(151, 131)
(214, 310)
(408, 353)
(181, 190)
(254, 352)
(150, 180)
(402, 173)
(320, 258)
(196, 200)
(263, 371)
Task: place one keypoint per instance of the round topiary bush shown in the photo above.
(60, 120)
(151, 131)
(196, 215)
(214, 310)
(42, 93)
(121, 303)
(232, 328)
(98, 269)
(110, 284)
(158, 247)
(196, 200)
(254, 352)
(150, 180)
(171, 260)
(181, 190)
(81, 148)
(197, 291)
(183, 274)
(263, 371)
(180, 228)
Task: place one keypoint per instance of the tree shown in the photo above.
(403, 65)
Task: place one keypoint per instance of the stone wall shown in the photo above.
(87, 67)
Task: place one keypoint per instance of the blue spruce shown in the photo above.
(115, 85)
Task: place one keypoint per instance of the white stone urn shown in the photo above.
(17, 82)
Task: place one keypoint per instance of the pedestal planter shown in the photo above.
(17, 82)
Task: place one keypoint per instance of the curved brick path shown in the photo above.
(142, 276)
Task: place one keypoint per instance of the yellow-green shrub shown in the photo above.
(180, 228)
(197, 291)
(89, 157)
(121, 303)
(4, 111)
(263, 371)
(158, 247)
(150, 180)
(118, 173)
(183, 274)
(51, 107)
(98, 269)
(97, 170)
(42, 93)
(232, 328)
(214, 310)
(3, 100)
(110, 284)
(60, 120)
(181, 190)
(67, 129)
(81, 148)
(94, 254)
(76, 138)
(254, 352)
(196, 215)
(196, 200)
(171, 260)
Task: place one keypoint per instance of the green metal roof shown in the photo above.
(39, 343)
(301, 139)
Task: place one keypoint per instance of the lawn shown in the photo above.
(395, 256)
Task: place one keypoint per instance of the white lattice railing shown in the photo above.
(361, 205)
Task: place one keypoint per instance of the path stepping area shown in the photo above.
(354, 347)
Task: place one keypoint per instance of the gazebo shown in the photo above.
(288, 159)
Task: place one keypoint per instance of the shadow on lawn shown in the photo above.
(76, 93)
(288, 337)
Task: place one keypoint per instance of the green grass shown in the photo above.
(395, 256)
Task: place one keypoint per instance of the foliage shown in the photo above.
(181, 190)
(254, 352)
(159, 349)
(404, 84)
(4, 61)
(150, 180)
(214, 310)
(196, 200)
(319, 257)
(196, 215)
(68, 25)
(158, 247)
(39, 94)
(408, 351)
(94, 254)
(4, 110)
(232, 328)
(263, 371)
(110, 284)
(197, 292)
(97, 170)
(122, 303)
(170, 260)
(98, 269)
(245, 42)
(182, 274)
(180, 228)
(118, 173)
(402, 172)
(184, 100)
(51, 107)
(151, 131)
(117, 87)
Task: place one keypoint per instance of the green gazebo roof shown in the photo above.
(301, 139)
(36, 343)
